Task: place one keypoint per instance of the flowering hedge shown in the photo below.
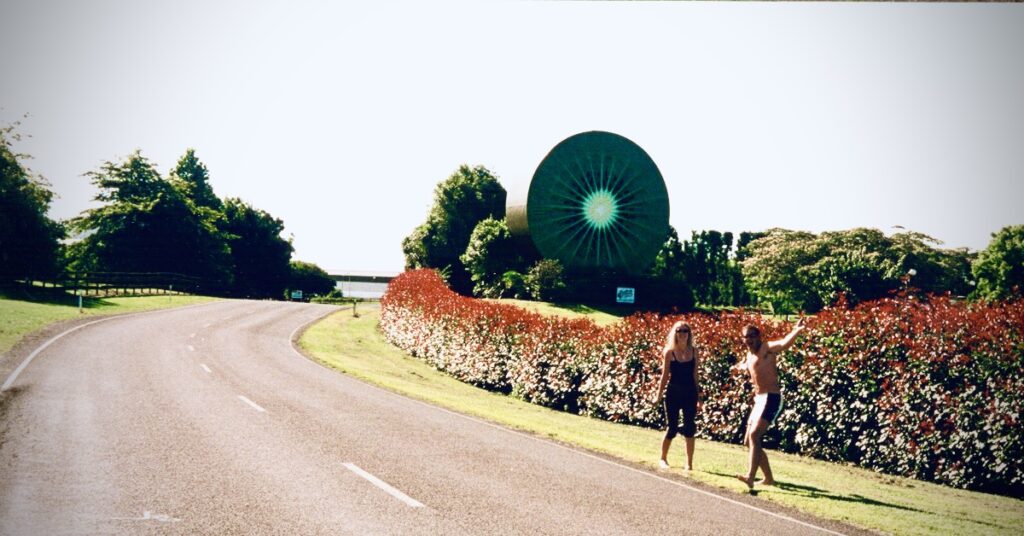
(931, 389)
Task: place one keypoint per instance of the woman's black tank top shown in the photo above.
(682, 373)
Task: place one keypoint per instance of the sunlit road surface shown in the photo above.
(204, 420)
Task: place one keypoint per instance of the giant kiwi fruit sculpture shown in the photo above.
(597, 202)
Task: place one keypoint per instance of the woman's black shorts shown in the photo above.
(680, 398)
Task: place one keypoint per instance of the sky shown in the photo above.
(340, 118)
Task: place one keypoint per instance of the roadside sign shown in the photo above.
(296, 294)
(625, 294)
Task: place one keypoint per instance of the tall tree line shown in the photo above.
(149, 223)
(789, 271)
(29, 246)
(146, 223)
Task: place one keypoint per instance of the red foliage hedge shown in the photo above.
(931, 389)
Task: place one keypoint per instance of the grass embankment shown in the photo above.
(19, 317)
(600, 317)
(833, 491)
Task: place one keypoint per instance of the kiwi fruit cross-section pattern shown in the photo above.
(596, 202)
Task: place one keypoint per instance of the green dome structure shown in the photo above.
(597, 202)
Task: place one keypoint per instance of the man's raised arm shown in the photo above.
(787, 341)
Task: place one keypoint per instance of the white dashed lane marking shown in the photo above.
(148, 516)
(384, 486)
(251, 403)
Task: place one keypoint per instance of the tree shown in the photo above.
(492, 252)
(798, 271)
(192, 177)
(935, 270)
(146, 224)
(741, 295)
(709, 269)
(513, 285)
(704, 264)
(859, 263)
(545, 280)
(309, 278)
(671, 272)
(467, 197)
(670, 262)
(774, 270)
(259, 256)
(999, 269)
(28, 238)
(745, 239)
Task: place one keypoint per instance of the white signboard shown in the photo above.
(624, 294)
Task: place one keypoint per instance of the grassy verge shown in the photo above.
(600, 317)
(856, 496)
(20, 317)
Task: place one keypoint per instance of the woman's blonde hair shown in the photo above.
(670, 341)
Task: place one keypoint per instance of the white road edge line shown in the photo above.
(206, 368)
(14, 375)
(291, 342)
(384, 486)
(251, 403)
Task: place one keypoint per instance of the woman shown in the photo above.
(679, 371)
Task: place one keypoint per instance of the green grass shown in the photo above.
(20, 317)
(863, 498)
(600, 317)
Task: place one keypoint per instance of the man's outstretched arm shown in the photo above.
(788, 340)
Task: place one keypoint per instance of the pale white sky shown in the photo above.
(340, 118)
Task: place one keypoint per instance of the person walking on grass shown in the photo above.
(762, 364)
(679, 371)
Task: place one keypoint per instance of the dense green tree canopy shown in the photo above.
(467, 197)
(670, 262)
(193, 178)
(146, 224)
(491, 253)
(800, 271)
(28, 238)
(709, 267)
(672, 271)
(310, 279)
(150, 224)
(545, 280)
(702, 267)
(259, 255)
(999, 269)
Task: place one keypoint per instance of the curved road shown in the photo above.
(205, 420)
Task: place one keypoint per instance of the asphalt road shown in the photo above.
(204, 420)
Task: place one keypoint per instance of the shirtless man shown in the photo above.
(761, 363)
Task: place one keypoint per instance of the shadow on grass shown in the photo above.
(53, 296)
(812, 492)
(580, 308)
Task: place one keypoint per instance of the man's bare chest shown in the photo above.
(757, 364)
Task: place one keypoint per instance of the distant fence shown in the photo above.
(124, 283)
